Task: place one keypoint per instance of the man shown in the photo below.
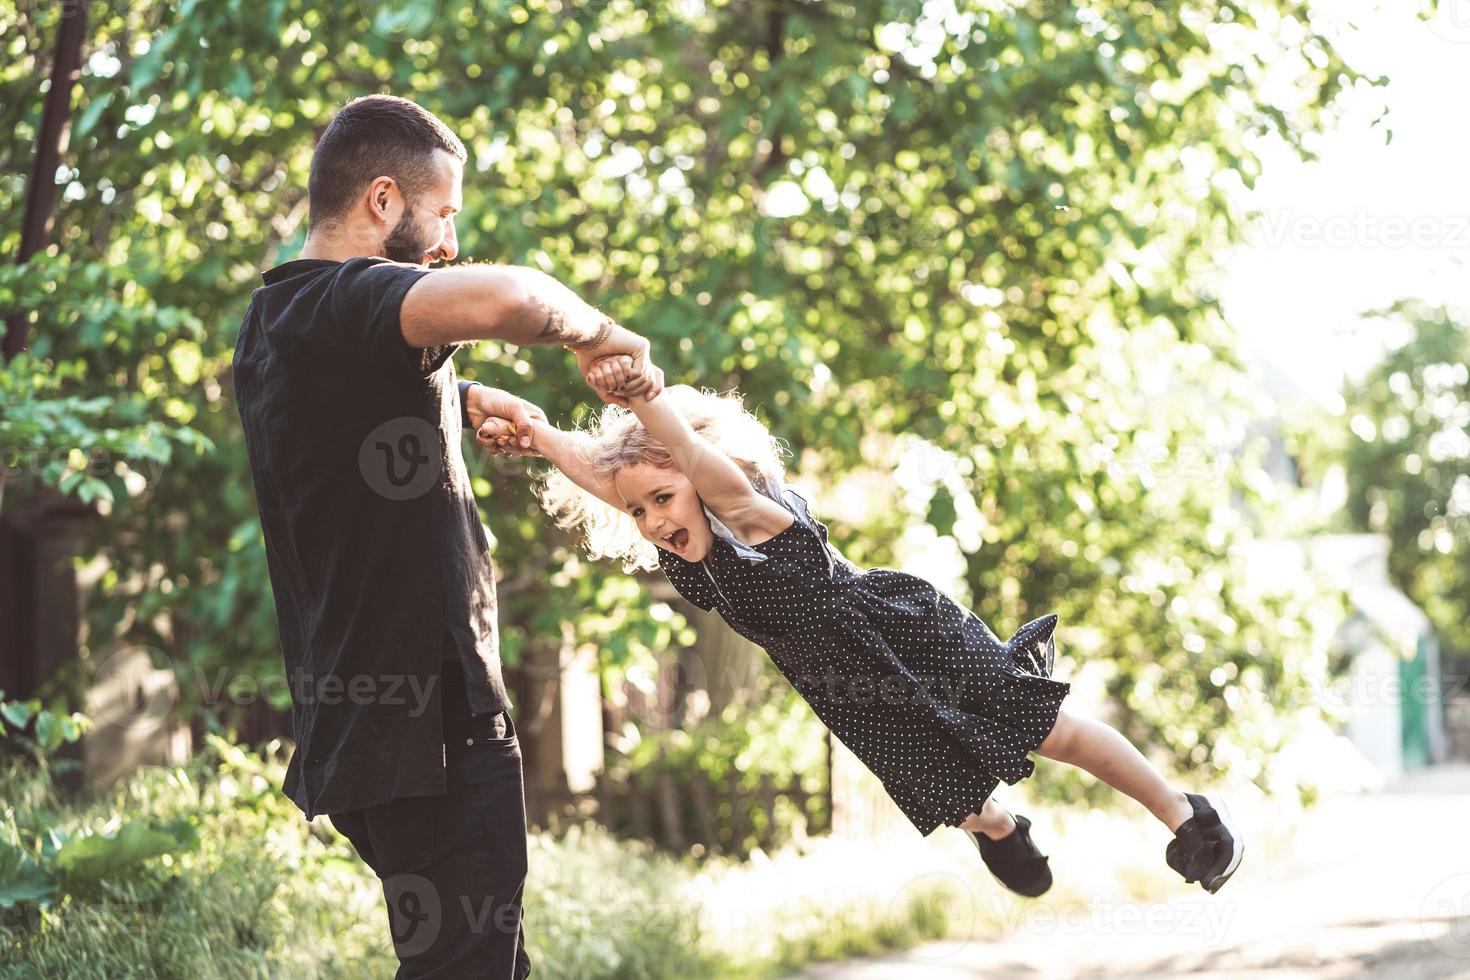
(379, 564)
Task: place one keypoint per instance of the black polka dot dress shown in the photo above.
(916, 685)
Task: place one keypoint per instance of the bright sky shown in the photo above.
(1366, 224)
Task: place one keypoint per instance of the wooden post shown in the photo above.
(704, 811)
(671, 812)
(638, 809)
(768, 807)
(602, 794)
(816, 806)
(66, 64)
(831, 821)
(739, 818)
(801, 801)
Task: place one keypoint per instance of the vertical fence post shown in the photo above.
(638, 809)
(670, 812)
(740, 820)
(827, 790)
(704, 816)
(768, 807)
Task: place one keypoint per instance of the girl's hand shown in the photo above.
(615, 380)
(502, 437)
(485, 403)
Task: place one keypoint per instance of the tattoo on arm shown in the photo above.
(554, 329)
(564, 317)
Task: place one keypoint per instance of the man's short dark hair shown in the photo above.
(374, 136)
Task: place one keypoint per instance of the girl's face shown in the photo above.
(668, 511)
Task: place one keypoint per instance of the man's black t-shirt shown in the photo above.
(377, 557)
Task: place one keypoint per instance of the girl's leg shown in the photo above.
(993, 820)
(1101, 750)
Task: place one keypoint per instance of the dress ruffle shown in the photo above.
(917, 686)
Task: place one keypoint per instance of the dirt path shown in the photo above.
(1368, 886)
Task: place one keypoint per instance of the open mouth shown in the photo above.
(678, 540)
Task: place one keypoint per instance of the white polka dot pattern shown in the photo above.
(916, 685)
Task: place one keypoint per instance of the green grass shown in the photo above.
(260, 896)
(264, 894)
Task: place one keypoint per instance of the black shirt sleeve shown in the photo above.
(464, 405)
(367, 298)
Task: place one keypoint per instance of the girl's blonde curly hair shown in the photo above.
(618, 440)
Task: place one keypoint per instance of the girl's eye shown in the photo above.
(663, 497)
(638, 512)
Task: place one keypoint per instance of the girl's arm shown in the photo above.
(719, 480)
(569, 452)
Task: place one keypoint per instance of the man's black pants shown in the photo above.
(453, 867)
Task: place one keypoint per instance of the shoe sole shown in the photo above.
(1237, 850)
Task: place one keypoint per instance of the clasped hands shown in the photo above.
(505, 425)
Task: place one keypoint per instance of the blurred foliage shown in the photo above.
(771, 736)
(43, 863)
(33, 731)
(197, 871)
(1407, 456)
(990, 228)
(101, 446)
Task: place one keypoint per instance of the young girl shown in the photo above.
(917, 686)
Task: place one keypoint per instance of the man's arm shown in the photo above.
(500, 302)
(523, 306)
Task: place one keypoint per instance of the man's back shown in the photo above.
(377, 557)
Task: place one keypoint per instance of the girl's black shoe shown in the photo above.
(1206, 847)
(1014, 860)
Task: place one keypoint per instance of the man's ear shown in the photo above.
(382, 193)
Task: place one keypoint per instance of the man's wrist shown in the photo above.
(464, 401)
(604, 331)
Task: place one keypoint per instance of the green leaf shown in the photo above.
(97, 856)
(92, 113)
(942, 513)
(72, 727)
(22, 880)
(48, 731)
(240, 83)
(94, 489)
(19, 713)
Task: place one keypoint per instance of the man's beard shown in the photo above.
(405, 243)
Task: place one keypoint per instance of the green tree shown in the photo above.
(878, 219)
(1408, 464)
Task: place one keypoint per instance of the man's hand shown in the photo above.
(500, 437)
(484, 404)
(640, 376)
